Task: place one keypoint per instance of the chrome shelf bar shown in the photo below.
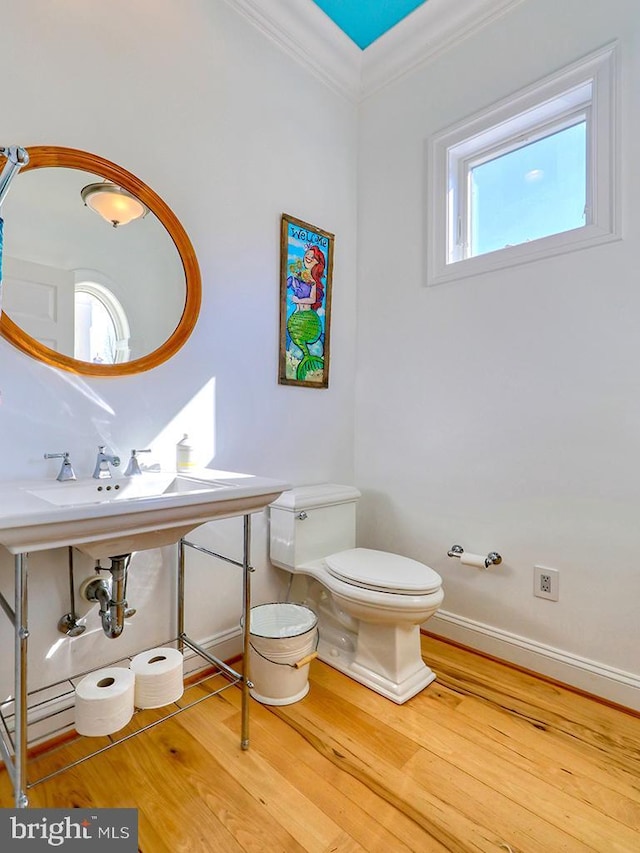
(115, 740)
(212, 659)
(56, 700)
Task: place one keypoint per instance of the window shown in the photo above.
(530, 177)
(528, 192)
(101, 326)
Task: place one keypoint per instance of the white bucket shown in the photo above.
(284, 638)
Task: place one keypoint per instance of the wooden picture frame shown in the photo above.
(306, 274)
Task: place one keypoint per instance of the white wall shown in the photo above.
(230, 133)
(503, 411)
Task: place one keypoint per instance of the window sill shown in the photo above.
(525, 253)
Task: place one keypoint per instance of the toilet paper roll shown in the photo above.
(104, 701)
(476, 560)
(159, 677)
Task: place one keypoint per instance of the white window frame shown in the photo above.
(585, 90)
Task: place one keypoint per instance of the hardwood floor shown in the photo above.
(487, 758)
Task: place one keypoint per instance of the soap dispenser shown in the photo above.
(185, 456)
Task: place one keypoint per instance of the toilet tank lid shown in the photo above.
(383, 571)
(312, 497)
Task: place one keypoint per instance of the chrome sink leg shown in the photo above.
(20, 663)
(246, 618)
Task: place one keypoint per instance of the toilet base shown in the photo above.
(397, 690)
(382, 651)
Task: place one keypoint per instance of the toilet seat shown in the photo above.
(382, 572)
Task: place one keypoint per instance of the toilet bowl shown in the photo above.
(370, 604)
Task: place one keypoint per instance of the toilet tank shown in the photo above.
(310, 522)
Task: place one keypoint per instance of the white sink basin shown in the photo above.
(80, 492)
(106, 518)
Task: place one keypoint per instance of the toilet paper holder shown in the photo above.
(492, 558)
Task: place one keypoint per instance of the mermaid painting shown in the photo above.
(305, 297)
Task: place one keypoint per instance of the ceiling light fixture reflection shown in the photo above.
(114, 204)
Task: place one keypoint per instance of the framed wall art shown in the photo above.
(306, 270)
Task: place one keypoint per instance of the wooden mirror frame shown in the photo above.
(50, 156)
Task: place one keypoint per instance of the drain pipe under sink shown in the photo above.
(111, 596)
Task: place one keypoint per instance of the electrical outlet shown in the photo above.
(546, 583)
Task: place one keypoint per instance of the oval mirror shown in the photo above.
(82, 290)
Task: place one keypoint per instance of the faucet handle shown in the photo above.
(66, 470)
(134, 466)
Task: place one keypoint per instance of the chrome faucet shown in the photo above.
(102, 470)
(66, 471)
(134, 466)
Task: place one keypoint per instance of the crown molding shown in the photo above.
(302, 30)
(430, 29)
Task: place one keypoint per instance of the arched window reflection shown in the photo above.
(101, 325)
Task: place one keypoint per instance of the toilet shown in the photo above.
(370, 604)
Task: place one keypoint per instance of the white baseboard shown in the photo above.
(614, 685)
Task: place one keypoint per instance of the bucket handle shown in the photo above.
(305, 660)
(299, 663)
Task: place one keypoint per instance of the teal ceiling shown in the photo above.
(366, 20)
